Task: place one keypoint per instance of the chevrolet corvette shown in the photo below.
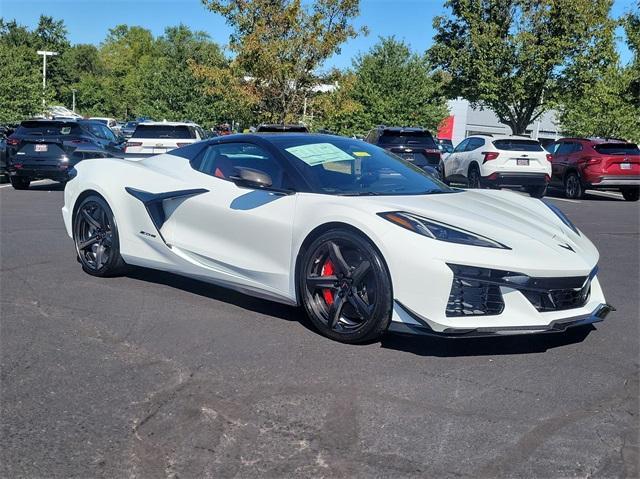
(363, 241)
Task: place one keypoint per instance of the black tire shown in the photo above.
(95, 234)
(345, 287)
(474, 180)
(573, 188)
(630, 194)
(20, 183)
(536, 191)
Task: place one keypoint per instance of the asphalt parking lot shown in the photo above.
(152, 375)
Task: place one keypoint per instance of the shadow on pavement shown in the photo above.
(496, 346)
(553, 193)
(217, 293)
(420, 345)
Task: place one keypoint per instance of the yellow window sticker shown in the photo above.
(361, 153)
(319, 153)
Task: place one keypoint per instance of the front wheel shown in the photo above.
(630, 194)
(95, 234)
(20, 183)
(536, 191)
(345, 287)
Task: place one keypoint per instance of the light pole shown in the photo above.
(73, 107)
(45, 54)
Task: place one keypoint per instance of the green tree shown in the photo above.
(517, 56)
(389, 85)
(606, 102)
(20, 84)
(279, 45)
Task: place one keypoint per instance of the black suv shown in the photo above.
(413, 144)
(48, 149)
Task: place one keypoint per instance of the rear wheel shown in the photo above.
(536, 191)
(573, 187)
(630, 194)
(345, 287)
(95, 234)
(473, 176)
(20, 183)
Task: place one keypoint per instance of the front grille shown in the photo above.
(558, 299)
(476, 291)
(474, 298)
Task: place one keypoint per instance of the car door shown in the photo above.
(559, 160)
(452, 162)
(472, 152)
(237, 235)
(112, 145)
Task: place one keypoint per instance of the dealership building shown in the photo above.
(465, 121)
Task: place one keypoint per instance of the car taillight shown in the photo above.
(490, 155)
(549, 157)
(589, 160)
(129, 144)
(13, 141)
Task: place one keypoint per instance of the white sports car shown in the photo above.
(364, 241)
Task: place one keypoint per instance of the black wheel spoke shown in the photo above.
(321, 282)
(99, 256)
(337, 259)
(335, 311)
(360, 272)
(90, 219)
(88, 242)
(363, 309)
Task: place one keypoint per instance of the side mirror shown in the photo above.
(250, 178)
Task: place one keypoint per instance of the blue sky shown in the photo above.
(88, 20)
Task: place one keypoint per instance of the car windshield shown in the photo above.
(404, 137)
(131, 124)
(342, 166)
(518, 145)
(180, 132)
(617, 149)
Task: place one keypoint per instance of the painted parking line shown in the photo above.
(563, 199)
(39, 182)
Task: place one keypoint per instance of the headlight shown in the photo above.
(439, 231)
(562, 217)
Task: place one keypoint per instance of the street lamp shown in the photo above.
(73, 92)
(45, 54)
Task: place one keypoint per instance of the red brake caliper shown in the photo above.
(327, 270)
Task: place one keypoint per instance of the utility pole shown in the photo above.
(73, 107)
(45, 54)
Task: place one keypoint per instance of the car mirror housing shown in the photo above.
(251, 178)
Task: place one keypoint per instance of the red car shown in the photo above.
(595, 163)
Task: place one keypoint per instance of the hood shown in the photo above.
(507, 217)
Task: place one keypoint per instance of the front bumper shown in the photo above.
(516, 179)
(558, 326)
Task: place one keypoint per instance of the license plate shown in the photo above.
(407, 156)
(522, 162)
(625, 166)
(42, 147)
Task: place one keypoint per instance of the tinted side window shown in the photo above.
(461, 146)
(221, 160)
(95, 129)
(108, 134)
(474, 144)
(563, 148)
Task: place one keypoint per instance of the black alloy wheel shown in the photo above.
(96, 238)
(573, 187)
(20, 183)
(631, 194)
(473, 177)
(536, 191)
(345, 287)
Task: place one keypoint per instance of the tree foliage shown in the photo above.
(279, 45)
(388, 85)
(607, 102)
(516, 56)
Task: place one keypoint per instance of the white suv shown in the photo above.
(153, 138)
(496, 161)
